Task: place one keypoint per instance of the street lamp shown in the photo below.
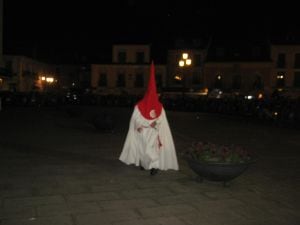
(184, 61)
(44, 82)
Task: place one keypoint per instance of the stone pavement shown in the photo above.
(59, 170)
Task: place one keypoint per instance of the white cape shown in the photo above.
(152, 147)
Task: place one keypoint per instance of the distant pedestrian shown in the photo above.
(149, 142)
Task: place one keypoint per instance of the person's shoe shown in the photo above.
(153, 171)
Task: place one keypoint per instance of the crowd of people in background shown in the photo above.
(275, 110)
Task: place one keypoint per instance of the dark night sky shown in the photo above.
(67, 31)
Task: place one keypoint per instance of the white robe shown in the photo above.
(143, 148)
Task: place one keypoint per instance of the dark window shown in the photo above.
(297, 60)
(102, 82)
(236, 82)
(9, 66)
(122, 57)
(35, 74)
(72, 76)
(257, 84)
(297, 79)
(197, 60)
(140, 57)
(196, 78)
(121, 80)
(177, 58)
(256, 51)
(158, 78)
(220, 52)
(281, 60)
(139, 80)
(26, 73)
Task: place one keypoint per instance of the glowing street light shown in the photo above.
(50, 79)
(183, 62)
(47, 79)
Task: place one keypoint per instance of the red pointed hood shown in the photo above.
(150, 106)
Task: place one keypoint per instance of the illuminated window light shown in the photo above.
(219, 77)
(50, 79)
(185, 55)
(181, 63)
(43, 78)
(188, 62)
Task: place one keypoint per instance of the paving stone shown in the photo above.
(53, 220)
(146, 183)
(166, 210)
(112, 187)
(32, 201)
(127, 204)
(92, 197)
(107, 217)
(15, 193)
(84, 207)
(183, 198)
(217, 219)
(17, 212)
(77, 178)
(153, 221)
(52, 209)
(144, 193)
(221, 194)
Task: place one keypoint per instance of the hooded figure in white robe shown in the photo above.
(149, 142)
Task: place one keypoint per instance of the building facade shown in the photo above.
(285, 66)
(26, 74)
(238, 65)
(252, 67)
(128, 73)
(232, 66)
